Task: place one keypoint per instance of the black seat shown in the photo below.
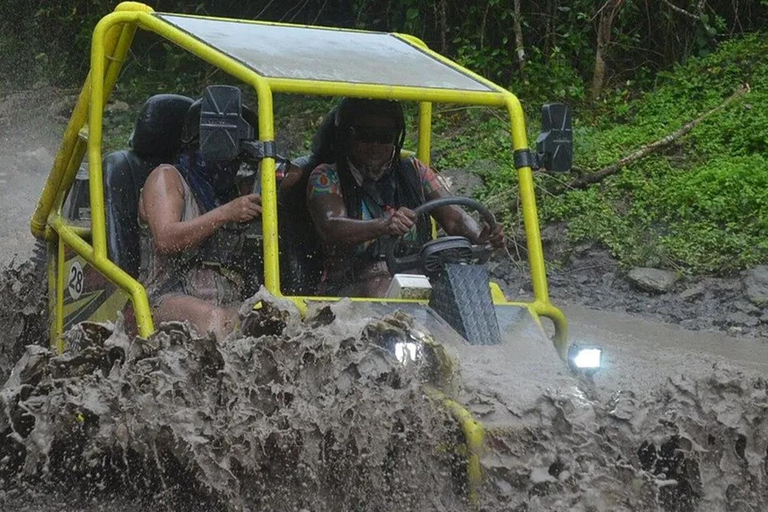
(156, 139)
(301, 262)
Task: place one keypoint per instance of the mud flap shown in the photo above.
(461, 295)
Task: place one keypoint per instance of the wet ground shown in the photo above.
(30, 131)
(676, 421)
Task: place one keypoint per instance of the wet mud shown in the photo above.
(319, 414)
(301, 416)
(588, 275)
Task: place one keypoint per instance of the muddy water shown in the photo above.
(319, 415)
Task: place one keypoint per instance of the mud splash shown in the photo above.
(317, 415)
(298, 415)
(23, 312)
(692, 446)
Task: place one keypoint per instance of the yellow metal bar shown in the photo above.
(425, 131)
(59, 308)
(113, 272)
(392, 92)
(528, 199)
(103, 74)
(541, 304)
(425, 143)
(560, 322)
(474, 434)
(268, 194)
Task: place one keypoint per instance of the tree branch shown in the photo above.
(594, 177)
(682, 11)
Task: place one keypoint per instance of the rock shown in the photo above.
(741, 318)
(554, 238)
(756, 282)
(746, 307)
(461, 182)
(653, 279)
(692, 324)
(694, 292)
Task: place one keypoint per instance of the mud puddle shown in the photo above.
(320, 414)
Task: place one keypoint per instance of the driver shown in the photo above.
(370, 191)
(192, 266)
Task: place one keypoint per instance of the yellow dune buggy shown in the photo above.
(89, 221)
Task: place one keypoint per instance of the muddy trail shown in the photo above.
(320, 414)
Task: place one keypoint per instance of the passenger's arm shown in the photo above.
(162, 204)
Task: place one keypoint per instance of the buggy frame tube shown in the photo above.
(137, 292)
(541, 304)
(425, 132)
(474, 435)
(116, 45)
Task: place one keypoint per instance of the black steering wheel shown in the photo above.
(434, 254)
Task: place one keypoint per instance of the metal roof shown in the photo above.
(333, 55)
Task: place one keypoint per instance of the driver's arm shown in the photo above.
(454, 220)
(329, 214)
(161, 206)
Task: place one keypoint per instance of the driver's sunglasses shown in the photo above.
(373, 134)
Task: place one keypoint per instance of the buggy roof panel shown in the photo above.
(306, 53)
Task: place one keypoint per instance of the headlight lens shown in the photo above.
(586, 358)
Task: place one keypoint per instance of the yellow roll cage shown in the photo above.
(111, 41)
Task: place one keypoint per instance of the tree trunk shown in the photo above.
(442, 15)
(550, 27)
(519, 49)
(608, 13)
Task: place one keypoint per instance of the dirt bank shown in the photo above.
(586, 274)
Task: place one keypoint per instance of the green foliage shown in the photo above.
(701, 206)
(709, 219)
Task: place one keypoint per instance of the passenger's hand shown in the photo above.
(494, 237)
(400, 221)
(242, 209)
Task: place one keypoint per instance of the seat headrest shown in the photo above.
(322, 142)
(157, 132)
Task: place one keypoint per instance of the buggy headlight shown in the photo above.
(585, 358)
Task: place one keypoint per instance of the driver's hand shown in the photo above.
(495, 237)
(242, 209)
(400, 221)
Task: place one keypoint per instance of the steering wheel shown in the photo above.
(434, 254)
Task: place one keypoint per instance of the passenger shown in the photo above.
(370, 192)
(192, 259)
